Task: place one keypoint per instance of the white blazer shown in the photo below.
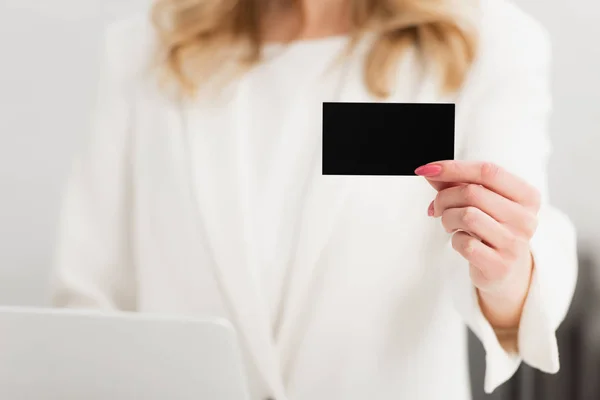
(378, 300)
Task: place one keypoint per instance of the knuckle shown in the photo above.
(459, 243)
(521, 243)
(489, 171)
(446, 221)
(463, 243)
(531, 225)
(471, 193)
(469, 245)
(513, 242)
(516, 247)
(536, 199)
(503, 270)
(470, 216)
(513, 248)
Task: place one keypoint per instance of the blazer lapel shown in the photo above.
(216, 144)
(326, 196)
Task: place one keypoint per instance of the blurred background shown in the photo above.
(48, 69)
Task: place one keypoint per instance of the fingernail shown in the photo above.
(430, 210)
(429, 170)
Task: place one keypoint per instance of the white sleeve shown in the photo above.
(94, 267)
(507, 125)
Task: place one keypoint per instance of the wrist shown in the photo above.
(503, 307)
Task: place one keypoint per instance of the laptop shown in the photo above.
(50, 354)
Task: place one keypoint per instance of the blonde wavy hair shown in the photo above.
(197, 38)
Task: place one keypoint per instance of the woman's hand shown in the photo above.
(493, 215)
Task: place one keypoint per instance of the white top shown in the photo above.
(294, 80)
(161, 217)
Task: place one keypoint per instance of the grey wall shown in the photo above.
(48, 61)
(575, 186)
(48, 58)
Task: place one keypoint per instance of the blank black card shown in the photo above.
(385, 138)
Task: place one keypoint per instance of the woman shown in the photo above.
(200, 193)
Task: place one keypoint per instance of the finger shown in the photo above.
(439, 186)
(487, 265)
(514, 216)
(487, 174)
(479, 224)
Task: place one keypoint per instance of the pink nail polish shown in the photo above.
(429, 170)
(431, 210)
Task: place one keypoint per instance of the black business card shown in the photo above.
(385, 138)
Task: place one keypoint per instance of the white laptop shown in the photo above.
(50, 354)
